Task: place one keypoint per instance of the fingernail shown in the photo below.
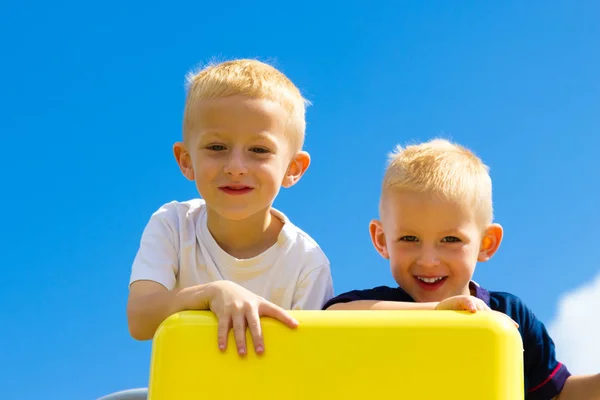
(242, 351)
(259, 349)
(221, 347)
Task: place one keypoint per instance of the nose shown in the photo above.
(235, 165)
(428, 257)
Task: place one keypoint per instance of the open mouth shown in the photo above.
(430, 282)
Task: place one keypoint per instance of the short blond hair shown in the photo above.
(250, 78)
(445, 169)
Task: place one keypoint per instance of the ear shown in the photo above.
(378, 238)
(184, 160)
(490, 242)
(296, 169)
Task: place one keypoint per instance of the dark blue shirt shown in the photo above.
(544, 375)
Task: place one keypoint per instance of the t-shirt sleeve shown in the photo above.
(545, 376)
(313, 289)
(157, 256)
(381, 293)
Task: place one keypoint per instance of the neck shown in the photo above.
(245, 238)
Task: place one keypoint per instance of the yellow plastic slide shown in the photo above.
(343, 355)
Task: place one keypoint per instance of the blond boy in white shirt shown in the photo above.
(231, 252)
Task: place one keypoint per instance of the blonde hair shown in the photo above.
(445, 169)
(250, 78)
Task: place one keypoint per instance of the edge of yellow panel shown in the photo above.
(491, 320)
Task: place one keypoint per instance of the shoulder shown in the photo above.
(380, 293)
(544, 374)
(173, 219)
(531, 328)
(301, 245)
(176, 213)
(158, 255)
(179, 209)
(511, 305)
(505, 300)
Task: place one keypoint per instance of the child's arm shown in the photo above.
(150, 303)
(545, 376)
(584, 387)
(467, 303)
(385, 298)
(152, 297)
(234, 306)
(381, 305)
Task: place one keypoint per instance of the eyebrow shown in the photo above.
(215, 133)
(209, 133)
(414, 232)
(459, 231)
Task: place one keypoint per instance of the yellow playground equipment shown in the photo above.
(343, 355)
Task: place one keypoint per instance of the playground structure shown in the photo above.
(340, 354)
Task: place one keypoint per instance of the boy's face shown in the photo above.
(239, 155)
(433, 245)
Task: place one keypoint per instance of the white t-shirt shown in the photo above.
(177, 250)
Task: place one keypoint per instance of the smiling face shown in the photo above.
(433, 244)
(240, 155)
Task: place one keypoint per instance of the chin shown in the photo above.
(434, 297)
(238, 214)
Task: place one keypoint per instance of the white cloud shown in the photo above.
(576, 328)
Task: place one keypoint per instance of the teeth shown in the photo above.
(430, 280)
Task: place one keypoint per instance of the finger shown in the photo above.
(239, 331)
(473, 307)
(271, 310)
(223, 331)
(255, 330)
(466, 304)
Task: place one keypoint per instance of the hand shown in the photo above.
(466, 303)
(239, 308)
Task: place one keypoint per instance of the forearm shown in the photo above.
(382, 305)
(581, 387)
(145, 313)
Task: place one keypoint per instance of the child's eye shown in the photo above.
(216, 147)
(259, 150)
(451, 239)
(408, 239)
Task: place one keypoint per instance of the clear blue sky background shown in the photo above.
(91, 101)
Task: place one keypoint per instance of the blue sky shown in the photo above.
(91, 102)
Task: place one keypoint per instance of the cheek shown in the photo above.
(206, 168)
(400, 268)
(400, 257)
(465, 255)
(270, 171)
(471, 252)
